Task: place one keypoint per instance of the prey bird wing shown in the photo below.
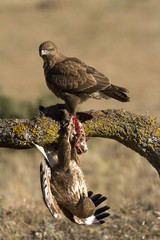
(49, 199)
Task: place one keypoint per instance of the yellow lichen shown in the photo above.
(151, 120)
(158, 131)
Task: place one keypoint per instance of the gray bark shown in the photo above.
(138, 132)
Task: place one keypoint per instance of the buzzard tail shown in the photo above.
(118, 93)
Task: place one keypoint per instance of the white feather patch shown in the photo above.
(90, 220)
(41, 149)
(50, 155)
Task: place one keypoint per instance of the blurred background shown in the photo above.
(119, 38)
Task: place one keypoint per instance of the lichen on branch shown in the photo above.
(138, 132)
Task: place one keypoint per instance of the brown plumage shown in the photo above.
(73, 81)
(64, 187)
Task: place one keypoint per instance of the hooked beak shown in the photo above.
(43, 52)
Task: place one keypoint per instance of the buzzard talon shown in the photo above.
(67, 124)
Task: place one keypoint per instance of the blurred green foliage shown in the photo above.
(13, 108)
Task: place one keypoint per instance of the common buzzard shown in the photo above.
(73, 81)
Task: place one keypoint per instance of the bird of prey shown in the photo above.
(64, 187)
(73, 81)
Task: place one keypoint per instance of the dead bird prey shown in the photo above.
(64, 187)
(73, 81)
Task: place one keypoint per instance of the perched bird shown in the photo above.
(73, 81)
(64, 187)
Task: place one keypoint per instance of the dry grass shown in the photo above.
(121, 39)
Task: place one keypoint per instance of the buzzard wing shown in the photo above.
(73, 76)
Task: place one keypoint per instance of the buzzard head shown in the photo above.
(48, 49)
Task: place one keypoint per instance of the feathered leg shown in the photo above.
(64, 153)
(72, 102)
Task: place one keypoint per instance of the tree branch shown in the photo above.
(138, 132)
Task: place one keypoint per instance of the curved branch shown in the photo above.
(138, 132)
